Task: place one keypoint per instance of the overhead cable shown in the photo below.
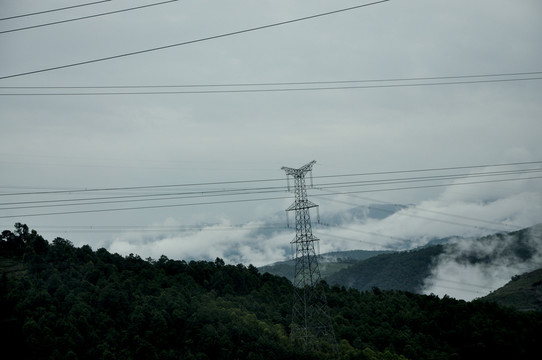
(441, 185)
(85, 17)
(424, 178)
(256, 199)
(53, 10)
(325, 88)
(464, 167)
(417, 209)
(262, 84)
(407, 214)
(145, 207)
(240, 191)
(159, 228)
(140, 198)
(190, 41)
(138, 187)
(248, 181)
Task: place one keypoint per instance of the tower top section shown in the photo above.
(299, 172)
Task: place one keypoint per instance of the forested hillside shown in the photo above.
(404, 270)
(329, 263)
(523, 292)
(58, 301)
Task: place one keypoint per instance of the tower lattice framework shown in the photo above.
(311, 323)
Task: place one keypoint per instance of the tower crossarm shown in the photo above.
(301, 205)
(299, 172)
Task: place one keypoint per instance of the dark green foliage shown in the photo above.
(426, 327)
(22, 242)
(76, 303)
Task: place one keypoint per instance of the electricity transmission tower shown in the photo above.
(311, 323)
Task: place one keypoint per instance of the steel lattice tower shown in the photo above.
(311, 323)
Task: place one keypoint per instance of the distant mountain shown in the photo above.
(508, 248)
(363, 269)
(329, 263)
(407, 270)
(404, 270)
(523, 292)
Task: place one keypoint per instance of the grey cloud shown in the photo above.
(472, 268)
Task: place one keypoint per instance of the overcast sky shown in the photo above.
(234, 132)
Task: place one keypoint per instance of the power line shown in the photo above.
(53, 10)
(245, 191)
(421, 217)
(156, 197)
(155, 228)
(242, 191)
(427, 78)
(441, 185)
(362, 232)
(424, 178)
(241, 200)
(323, 185)
(263, 90)
(232, 182)
(433, 169)
(230, 192)
(417, 208)
(459, 283)
(191, 41)
(188, 195)
(138, 187)
(440, 213)
(153, 196)
(85, 17)
(144, 207)
(459, 289)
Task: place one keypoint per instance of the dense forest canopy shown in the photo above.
(59, 301)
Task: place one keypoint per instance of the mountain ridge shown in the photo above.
(523, 292)
(409, 270)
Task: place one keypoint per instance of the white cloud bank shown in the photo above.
(472, 268)
(233, 243)
(266, 240)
